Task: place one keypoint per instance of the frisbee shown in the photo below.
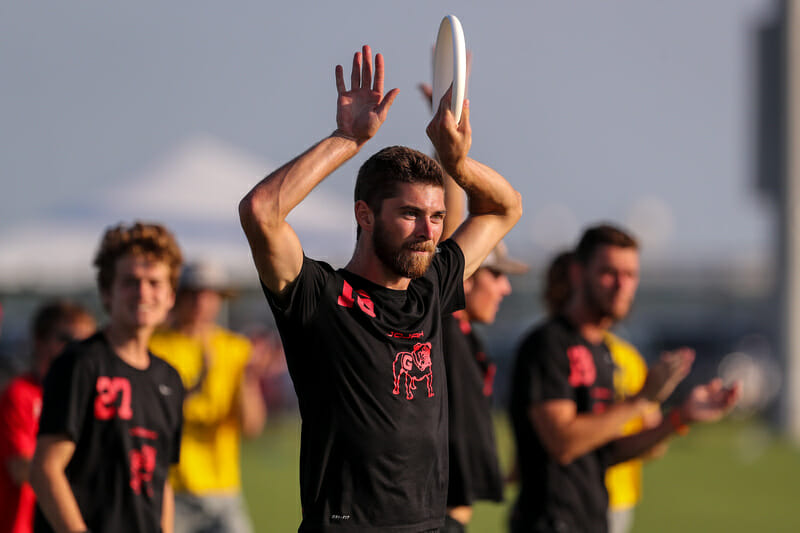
(450, 65)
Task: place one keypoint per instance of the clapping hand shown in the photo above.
(664, 376)
(710, 402)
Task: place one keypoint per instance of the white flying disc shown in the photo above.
(450, 65)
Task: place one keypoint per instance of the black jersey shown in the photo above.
(126, 425)
(555, 362)
(367, 367)
(474, 468)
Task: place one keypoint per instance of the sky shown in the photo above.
(639, 112)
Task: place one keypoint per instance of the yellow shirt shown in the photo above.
(624, 481)
(209, 462)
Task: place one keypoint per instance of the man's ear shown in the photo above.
(575, 273)
(105, 299)
(365, 218)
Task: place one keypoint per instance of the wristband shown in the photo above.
(677, 423)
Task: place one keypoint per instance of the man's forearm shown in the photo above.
(488, 193)
(638, 444)
(569, 436)
(168, 509)
(271, 200)
(252, 408)
(54, 496)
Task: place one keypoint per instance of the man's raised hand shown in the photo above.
(451, 140)
(361, 111)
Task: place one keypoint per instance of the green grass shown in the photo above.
(729, 477)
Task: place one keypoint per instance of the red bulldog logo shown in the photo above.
(415, 366)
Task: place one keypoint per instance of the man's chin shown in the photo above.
(414, 265)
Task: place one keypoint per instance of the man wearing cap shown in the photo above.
(223, 403)
(474, 467)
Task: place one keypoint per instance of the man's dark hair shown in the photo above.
(602, 235)
(51, 316)
(380, 175)
(557, 289)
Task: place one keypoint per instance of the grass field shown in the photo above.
(732, 477)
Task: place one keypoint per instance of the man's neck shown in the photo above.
(590, 326)
(130, 345)
(368, 266)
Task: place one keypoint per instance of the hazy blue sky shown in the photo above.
(638, 111)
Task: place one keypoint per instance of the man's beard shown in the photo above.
(599, 307)
(402, 261)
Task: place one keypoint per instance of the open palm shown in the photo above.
(361, 111)
(710, 402)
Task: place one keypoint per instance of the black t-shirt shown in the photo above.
(126, 425)
(555, 362)
(474, 468)
(367, 367)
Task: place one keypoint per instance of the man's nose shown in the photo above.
(426, 228)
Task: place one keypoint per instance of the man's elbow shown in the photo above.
(256, 211)
(565, 458)
(514, 208)
(561, 452)
(248, 210)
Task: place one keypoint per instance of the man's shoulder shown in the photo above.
(81, 353)
(162, 370)
(449, 252)
(20, 388)
(548, 332)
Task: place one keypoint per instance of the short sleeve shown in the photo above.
(17, 423)
(68, 390)
(545, 368)
(299, 304)
(448, 266)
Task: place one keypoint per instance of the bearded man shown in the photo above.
(373, 451)
(567, 423)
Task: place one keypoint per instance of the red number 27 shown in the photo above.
(105, 403)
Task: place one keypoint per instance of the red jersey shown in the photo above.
(20, 406)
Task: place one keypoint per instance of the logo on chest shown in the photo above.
(347, 299)
(582, 372)
(414, 366)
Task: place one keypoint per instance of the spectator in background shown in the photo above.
(112, 411)
(474, 467)
(623, 481)
(54, 325)
(223, 402)
(276, 384)
(567, 423)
